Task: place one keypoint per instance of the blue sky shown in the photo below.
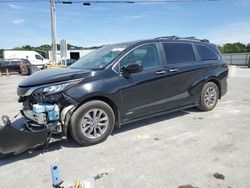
(29, 23)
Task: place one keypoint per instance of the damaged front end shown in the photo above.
(48, 106)
(46, 111)
(44, 114)
(34, 129)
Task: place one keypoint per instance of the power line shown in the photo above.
(129, 1)
(24, 1)
(103, 1)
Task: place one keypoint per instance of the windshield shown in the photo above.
(99, 58)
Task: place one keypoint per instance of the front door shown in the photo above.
(141, 92)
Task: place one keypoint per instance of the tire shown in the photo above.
(92, 123)
(209, 97)
(23, 69)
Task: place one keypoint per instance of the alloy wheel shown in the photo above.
(210, 96)
(94, 123)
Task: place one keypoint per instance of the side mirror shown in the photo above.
(131, 68)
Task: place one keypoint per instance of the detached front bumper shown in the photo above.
(17, 137)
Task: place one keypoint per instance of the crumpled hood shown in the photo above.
(49, 76)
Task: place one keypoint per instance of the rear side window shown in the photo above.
(178, 53)
(206, 53)
(15, 62)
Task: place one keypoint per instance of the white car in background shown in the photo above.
(33, 57)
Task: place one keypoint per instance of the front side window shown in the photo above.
(178, 53)
(146, 56)
(39, 57)
(206, 53)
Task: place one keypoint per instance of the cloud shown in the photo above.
(15, 7)
(134, 16)
(244, 3)
(17, 22)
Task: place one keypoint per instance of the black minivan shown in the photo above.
(125, 82)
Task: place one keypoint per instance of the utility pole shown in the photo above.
(53, 30)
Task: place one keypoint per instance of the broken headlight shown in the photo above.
(55, 88)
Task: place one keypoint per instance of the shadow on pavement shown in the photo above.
(53, 146)
(152, 120)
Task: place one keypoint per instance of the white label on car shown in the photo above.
(118, 49)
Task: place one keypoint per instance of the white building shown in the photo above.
(71, 54)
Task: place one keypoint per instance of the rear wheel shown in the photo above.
(209, 96)
(23, 69)
(92, 123)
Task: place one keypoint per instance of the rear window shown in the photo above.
(178, 53)
(206, 53)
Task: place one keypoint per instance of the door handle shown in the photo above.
(161, 72)
(173, 70)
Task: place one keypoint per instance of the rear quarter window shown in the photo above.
(178, 53)
(206, 53)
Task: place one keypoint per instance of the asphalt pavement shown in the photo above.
(182, 149)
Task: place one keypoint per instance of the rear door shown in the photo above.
(185, 76)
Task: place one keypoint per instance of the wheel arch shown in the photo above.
(107, 100)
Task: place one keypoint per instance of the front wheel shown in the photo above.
(209, 96)
(92, 123)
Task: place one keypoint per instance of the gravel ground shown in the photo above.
(182, 148)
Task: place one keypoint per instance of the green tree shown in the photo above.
(248, 47)
(221, 48)
(26, 47)
(234, 48)
(1, 53)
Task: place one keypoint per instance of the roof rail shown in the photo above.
(182, 38)
(168, 37)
